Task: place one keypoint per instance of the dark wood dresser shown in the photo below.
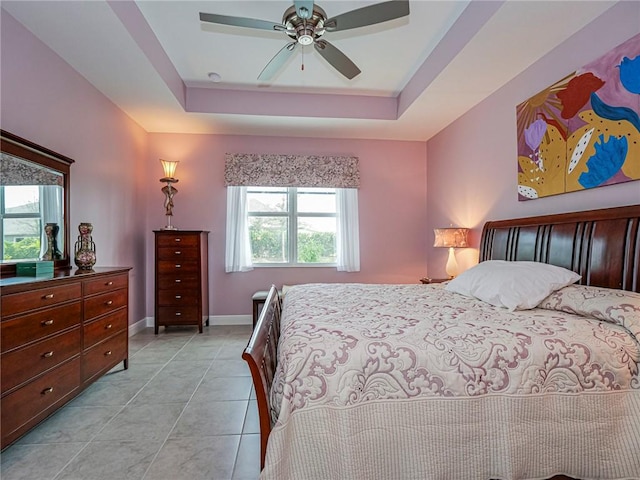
(182, 278)
(57, 336)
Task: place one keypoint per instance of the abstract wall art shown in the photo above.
(583, 131)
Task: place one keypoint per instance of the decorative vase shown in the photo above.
(85, 249)
(51, 231)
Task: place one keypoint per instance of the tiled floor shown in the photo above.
(183, 410)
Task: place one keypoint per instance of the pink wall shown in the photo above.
(44, 100)
(392, 209)
(475, 157)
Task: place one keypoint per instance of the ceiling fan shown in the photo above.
(306, 23)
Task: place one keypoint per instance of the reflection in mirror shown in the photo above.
(30, 197)
(34, 199)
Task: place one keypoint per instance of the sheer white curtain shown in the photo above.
(50, 212)
(238, 247)
(347, 234)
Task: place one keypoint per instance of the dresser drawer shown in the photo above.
(178, 315)
(173, 239)
(178, 297)
(104, 327)
(178, 281)
(104, 303)
(177, 267)
(27, 403)
(104, 356)
(177, 254)
(35, 326)
(105, 284)
(22, 364)
(40, 298)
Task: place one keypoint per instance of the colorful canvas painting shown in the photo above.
(583, 131)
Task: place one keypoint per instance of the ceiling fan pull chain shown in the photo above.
(302, 66)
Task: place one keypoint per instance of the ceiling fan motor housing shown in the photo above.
(304, 30)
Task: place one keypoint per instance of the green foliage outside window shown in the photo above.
(266, 242)
(268, 245)
(317, 247)
(27, 248)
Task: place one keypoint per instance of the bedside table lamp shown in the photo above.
(451, 238)
(169, 191)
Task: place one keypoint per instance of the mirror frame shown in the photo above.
(21, 148)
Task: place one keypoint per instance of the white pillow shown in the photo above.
(513, 285)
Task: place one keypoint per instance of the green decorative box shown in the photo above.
(34, 269)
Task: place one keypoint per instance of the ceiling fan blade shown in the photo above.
(370, 15)
(241, 22)
(277, 61)
(337, 59)
(304, 8)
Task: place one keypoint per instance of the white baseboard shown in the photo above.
(230, 320)
(140, 325)
(148, 322)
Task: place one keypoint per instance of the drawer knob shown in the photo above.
(47, 390)
(178, 265)
(178, 280)
(178, 239)
(47, 354)
(178, 314)
(48, 296)
(178, 252)
(178, 296)
(46, 323)
(108, 284)
(108, 303)
(107, 353)
(107, 327)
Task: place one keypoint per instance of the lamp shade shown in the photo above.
(169, 168)
(451, 237)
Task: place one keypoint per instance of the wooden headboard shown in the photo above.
(601, 245)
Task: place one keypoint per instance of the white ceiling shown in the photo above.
(419, 73)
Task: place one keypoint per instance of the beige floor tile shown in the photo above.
(194, 458)
(178, 412)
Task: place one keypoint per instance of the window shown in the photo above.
(21, 222)
(292, 225)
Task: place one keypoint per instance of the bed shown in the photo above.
(417, 381)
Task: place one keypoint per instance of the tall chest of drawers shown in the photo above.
(57, 336)
(182, 278)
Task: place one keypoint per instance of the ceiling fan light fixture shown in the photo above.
(305, 39)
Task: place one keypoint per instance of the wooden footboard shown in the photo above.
(261, 355)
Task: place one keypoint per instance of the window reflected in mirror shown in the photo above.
(25, 209)
(34, 184)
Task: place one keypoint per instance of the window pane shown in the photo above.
(317, 200)
(21, 199)
(269, 239)
(316, 240)
(267, 199)
(21, 237)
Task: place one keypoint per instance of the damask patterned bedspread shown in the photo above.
(344, 344)
(348, 349)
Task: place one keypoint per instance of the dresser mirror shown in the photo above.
(34, 204)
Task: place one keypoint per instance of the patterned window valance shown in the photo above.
(250, 169)
(15, 171)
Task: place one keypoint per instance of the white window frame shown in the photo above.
(237, 245)
(292, 215)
